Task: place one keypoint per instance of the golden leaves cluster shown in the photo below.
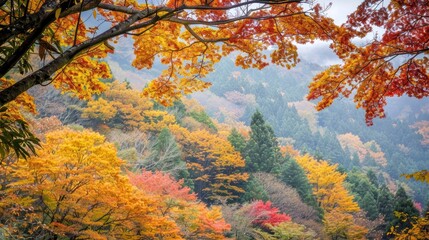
(337, 203)
(122, 107)
(217, 169)
(82, 77)
(23, 103)
(190, 50)
(75, 187)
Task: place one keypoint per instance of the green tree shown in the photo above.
(372, 178)
(365, 192)
(262, 152)
(254, 190)
(369, 161)
(293, 175)
(369, 204)
(203, 118)
(385, 203)
(403, 204)
(355, 160)
(237, 141)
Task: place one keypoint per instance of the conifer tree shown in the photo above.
(372, 178)
(293, 175)
(369, 161)
(347, 163)
(403, 205)
(254, 190)
(369, 204)
(355, 160)
(237, 141)
(385, 203)
(262, 151)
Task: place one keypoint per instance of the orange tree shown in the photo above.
(187, 36)
(74, 189)
(393, 64)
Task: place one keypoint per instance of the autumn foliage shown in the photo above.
(215, 167)
(124, 108)
(188, 37)
(264, 215)
(193, 218)
(333, 197)
(74, 188)
(393, 64)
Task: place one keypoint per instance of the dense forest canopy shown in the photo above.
(84, 155)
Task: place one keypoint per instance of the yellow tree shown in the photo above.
(187, 36)
(74, 188)
(216, 169)
(122, 107)
(333, 197)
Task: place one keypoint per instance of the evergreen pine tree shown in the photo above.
(355, 160)
(372, 178)
(293, 175)
(237, 141)
(369, 161)
(403, 204)
(262, 153)
(385, 203)
(347, 163)
(369, 204)
(254, 191)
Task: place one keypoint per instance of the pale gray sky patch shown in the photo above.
(138, 79)
(319, 52)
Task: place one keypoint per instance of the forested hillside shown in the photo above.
(198, 120)
(240, 179)
(392, 146)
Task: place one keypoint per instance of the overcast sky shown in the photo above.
(319, 52)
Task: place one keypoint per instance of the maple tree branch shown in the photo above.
(127, 10)
(230, 20)
(199, 38)
(241, 4)
(116, 8)
(26, 22)
(45, 72)
(153, 12)
(47, 16)
(151, 16)
(77, 25)
(26, 45)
